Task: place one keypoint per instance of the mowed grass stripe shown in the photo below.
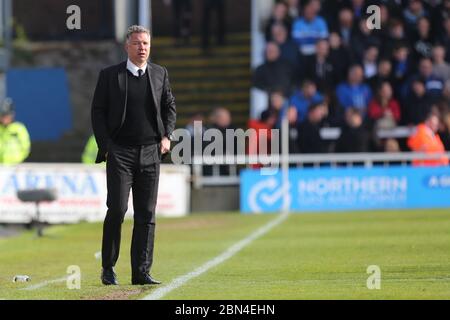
(181, 245)
(325, 256)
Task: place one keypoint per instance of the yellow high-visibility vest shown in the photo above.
(90, 151)
(14, 143)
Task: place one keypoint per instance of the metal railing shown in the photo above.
(333, 160)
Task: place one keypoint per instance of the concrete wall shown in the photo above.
(82, 62)
(215, 199)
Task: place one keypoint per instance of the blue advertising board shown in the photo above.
(338, 189)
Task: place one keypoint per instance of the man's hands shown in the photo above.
(165, 145)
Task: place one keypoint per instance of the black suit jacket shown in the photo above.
(109, 105)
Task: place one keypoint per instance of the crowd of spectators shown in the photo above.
(328, 67)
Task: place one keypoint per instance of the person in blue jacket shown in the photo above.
(354, 93)
(309, 29)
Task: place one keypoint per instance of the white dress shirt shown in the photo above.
(134, 68)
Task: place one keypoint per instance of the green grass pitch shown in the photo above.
(308, 256)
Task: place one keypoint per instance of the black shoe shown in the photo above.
(109, 278)
(143, 279)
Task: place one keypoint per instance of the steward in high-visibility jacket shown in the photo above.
(426, 140)
(90, 151)
(14, 137)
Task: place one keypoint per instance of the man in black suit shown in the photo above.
(133, 117)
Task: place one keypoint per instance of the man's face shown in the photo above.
(426, 68)
(272, 52)
(6, 119)
(433, 123)
(356, 75)
(138, 48)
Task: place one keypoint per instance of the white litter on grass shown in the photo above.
(45, 283)
(227, 254)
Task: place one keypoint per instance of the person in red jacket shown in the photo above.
(384, 105)
(262, 131)
(426, 140)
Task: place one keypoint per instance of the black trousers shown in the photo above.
(131, 168)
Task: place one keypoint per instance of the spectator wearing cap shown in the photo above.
(14, 138)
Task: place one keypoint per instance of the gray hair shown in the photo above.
(137, 29)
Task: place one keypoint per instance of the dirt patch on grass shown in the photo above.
(118, 295)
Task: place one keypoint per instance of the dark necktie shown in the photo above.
(140, 72)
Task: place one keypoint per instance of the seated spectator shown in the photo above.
(391, 146)
(345, 27)
(444, 37)
(370, 62)
(354, 137)
(274, 73)
(262, 133)
(412, 13)
(288, 49)
(309, 138)
(384, 107)
(384, 74)
(426, 140)
(434, 85)
(293, 9)
(303, 98)
(279, 16)
(292, 118)
(340, 57)
(357, 7)
(354, 93)
(278, 104)
(441, 68)
(423, 40)
(310, 28)
(396, 36)
(401, 66)
(321, 69)
(417, 105)
(220, 119)
(362, 39)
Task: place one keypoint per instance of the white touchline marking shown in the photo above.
(230, 252)
(45, 283)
